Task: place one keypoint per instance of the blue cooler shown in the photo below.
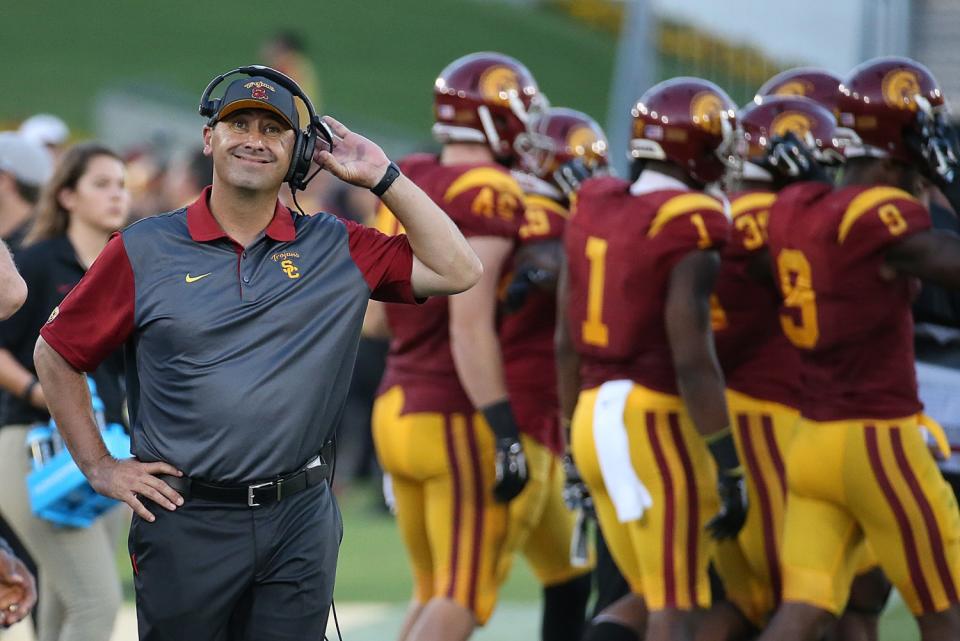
(58, 490)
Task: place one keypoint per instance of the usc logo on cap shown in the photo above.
(900, 89)
(791, 122)
(258, 89)
(497, 84)
(705, 110)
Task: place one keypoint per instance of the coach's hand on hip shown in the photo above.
(128, 480)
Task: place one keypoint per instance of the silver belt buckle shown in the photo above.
(250, 490)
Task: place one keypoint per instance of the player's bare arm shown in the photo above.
(933, 255)
(125, 480)
(475, 347)
(473, 334)
(687, 316)
(443, 262)
(700, 380)
(13, 291)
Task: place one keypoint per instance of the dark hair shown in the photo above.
(52, 218)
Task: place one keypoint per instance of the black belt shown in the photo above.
(257, 494)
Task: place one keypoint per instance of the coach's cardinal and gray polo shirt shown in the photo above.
(238, 363)
(239, 359)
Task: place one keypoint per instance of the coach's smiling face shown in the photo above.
(251, 149)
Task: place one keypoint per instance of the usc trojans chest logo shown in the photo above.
(291, 270)
(900, 89)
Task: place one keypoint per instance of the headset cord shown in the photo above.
(305, 183)
(333, 474)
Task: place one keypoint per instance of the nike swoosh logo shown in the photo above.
(193, 279)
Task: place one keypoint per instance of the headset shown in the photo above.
(307, 139)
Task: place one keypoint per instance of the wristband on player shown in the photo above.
(724, 452)
(499, 416)
(392, 173)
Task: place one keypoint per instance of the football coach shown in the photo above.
(240, 322)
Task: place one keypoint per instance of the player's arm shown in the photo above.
(443, 260)
(932, 254)
(700, 379)
(687, 316)
(475, 347)
(13, 291)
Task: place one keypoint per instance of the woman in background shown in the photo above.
(84, 202)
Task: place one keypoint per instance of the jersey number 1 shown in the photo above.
(594, 330)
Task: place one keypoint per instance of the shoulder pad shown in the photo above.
(547, 204)
(751, 202)
(682, 205)
(865, 202)
(498, 179)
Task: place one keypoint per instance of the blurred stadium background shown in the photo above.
(130, 74)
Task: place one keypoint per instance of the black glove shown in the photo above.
(933, 141)
(523, 281)
(791, 161)
(731, 487)
(571, 174)
(511, 464)
(576, 496)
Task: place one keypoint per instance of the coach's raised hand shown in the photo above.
(354, 159)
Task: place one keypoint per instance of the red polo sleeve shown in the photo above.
(386, 262)
(96, 317)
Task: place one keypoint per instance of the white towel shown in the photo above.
(629, 496)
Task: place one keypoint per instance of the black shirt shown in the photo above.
(51, 269)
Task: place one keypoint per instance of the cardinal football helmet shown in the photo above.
(879, 100)
(563, 146)
(484, 97)
(687, 121)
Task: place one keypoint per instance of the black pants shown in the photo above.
(220, 572)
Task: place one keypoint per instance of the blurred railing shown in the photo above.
(685, 50)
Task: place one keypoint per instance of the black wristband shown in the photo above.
(28, 390)
(724, 451)
(500, 418)
(393, 172)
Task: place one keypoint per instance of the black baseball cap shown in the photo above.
(257, 92)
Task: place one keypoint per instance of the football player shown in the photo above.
(443, 425)
(858, 466)
(561, 148)
(759, 364)
(641, 262)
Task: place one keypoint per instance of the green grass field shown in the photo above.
(376, 60)
(373, 582)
